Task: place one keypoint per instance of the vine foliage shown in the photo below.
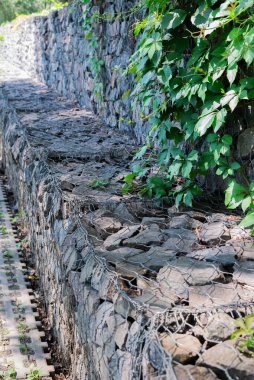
(193, 70)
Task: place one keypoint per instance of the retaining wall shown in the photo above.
(132, 290)
(53, 48)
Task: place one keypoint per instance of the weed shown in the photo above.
(8, 254)
(24, 349)
(99, 184)
(13, 287)
(10, 374)
(22, 328)
(245, 333)
(3, 230)
(34, 373)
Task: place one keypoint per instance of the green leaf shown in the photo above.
(186, 169)
(173, 19)
(220, 119)
(193, 156)
(141, 152)
(220, 171)
(212, 137)
(234, 34)
(187, 198)
(227, 140)
(249, 55)
(178, 199)
(174, 169)
(232, 72)
(235, 166)
(248, 220)
(204, 123)
(246, 203)
(202, 91)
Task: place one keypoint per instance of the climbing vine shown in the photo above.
(94, 60)
(193, 72)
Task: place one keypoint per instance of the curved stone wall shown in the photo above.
(133, 290)
(53, 48)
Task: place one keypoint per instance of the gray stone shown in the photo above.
(191, 372)
(148, 220)
(180, 240)
(225, 358)
(244, 273)
(213, 295)
(146, 238)
(225, 254)
(124, 214)
(245, 251)
(246, 143)
(220, 326)
(181, 221)
(154, 259)
(107, 225)
(214, 233)
(181, 273)
(114, 241)
(182, 347)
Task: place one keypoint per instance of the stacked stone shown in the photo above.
(55, 50)
(133, 290)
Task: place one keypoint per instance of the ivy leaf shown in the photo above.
(202, 91)
(187, 198)
(212, 137)
(249, 55)
(235, 166)
(220, 119)
(178, 199)
(227, 140)
(173, 19)
(186, 169)
(231, 98)
(234, 34)
(141, 152)
(232, 72)
(204, 123)
(246, 203)
(174, 169)
(156, 46)
(233, 102)
(193, 156)
(234, 195)
(248, 220)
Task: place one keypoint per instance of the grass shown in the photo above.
(20, 18)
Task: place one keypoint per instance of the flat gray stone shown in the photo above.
(220, 327)
(224, 255)
(245, 143)
(244, 273)
(151, 236)
(214, 233)
(181, 273)
(225, 358)
(180, 240)
(114, 241)
(181, 221)
(147, 221)
(182, 347)
(213, 295)
(191, 372)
